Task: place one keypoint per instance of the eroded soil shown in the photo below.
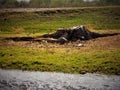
(109, 42)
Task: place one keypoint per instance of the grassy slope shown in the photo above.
(61, 59)
(106, 18)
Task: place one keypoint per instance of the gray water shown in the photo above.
(26, 80)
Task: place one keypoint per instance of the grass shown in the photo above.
(106, 18)
(61, 60)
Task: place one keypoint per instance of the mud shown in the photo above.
(102, 43)
(25, 80)
(65, 35)
(20, 38)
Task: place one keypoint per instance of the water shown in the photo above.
(26, 80)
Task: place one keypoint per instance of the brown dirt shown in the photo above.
(110, 42)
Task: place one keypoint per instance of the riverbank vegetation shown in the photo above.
(61, 60)
(95, 56)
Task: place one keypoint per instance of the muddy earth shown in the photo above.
(102, 43)
(25, 80)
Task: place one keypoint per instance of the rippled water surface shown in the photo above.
(25, 80)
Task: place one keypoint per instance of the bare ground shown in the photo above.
(109, 42)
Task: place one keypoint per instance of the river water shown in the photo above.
(26, 80)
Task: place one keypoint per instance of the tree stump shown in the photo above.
(72, 34)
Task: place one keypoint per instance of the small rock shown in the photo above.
(83, 72)
(80, 45)
(44, 41)
(82, 37)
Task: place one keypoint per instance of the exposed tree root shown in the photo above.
(65, 35)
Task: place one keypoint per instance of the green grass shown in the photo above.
(106, 18)
(61, 60)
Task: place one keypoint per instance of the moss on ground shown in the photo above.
(61, 60)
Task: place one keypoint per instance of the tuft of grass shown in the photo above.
(61, 60)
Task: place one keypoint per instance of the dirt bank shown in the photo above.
(109, 42)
